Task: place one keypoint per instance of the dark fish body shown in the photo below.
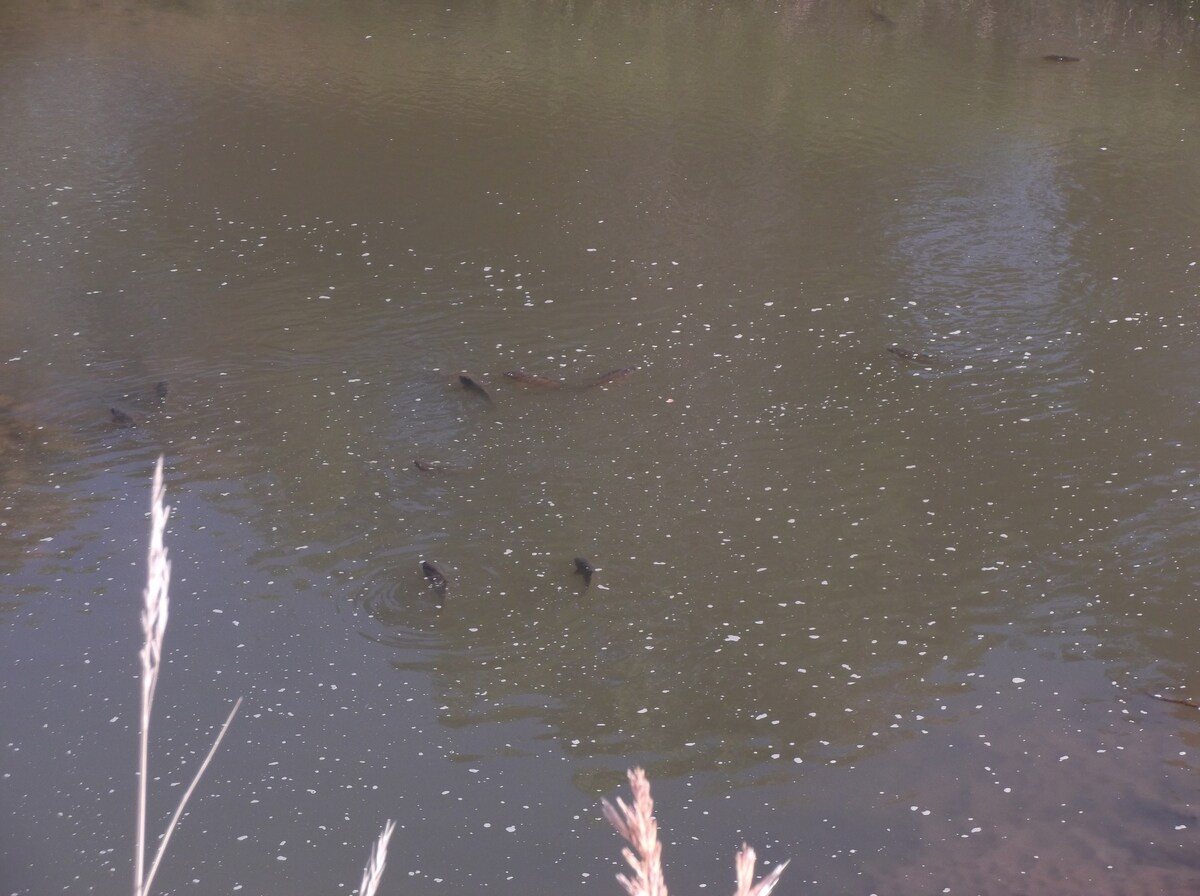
(614, 376)
(120, 418)
(1192, 703)
(585, 569)
(880, 17)
(431, 466)
(534, 380)
(434, 576)
(1054, 57)
(471, 385)
(161, 389)
(915, 357)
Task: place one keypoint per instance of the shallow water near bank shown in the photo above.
(897, 622)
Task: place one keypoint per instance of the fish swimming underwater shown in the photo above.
(533, 380)
(471, 385)
(585, 569)
(879, 17)
(914, 357)
(120, 418)
(437, 581)
(433, 466)
(1192, 703)
(614, 376)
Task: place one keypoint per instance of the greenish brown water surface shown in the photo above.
(894, 621)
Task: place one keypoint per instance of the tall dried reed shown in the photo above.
(373, 872)
(155, 606)
(636, 823)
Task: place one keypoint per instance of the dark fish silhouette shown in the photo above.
(915, 357)
(585, 569)
(614, 376)
(432, 466)
(1054, 57)
(880, 17)
(436, 580)
(120, 418)
(471, 385)
(161, 389)
(534, 380)
(1192, 703)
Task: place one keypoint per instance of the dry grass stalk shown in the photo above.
(155, 604)
(373, 872)
(638, 826)
(162, 845)
(745, 863)
(636, 823)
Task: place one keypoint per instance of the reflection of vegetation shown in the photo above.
(216, 30)
(1033, 21)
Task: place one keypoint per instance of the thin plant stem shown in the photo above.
(155, 604)
(162, 846)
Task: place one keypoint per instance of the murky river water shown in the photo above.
(893, 620)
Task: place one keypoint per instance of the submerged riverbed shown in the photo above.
(893, 615)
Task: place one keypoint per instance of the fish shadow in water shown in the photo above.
(155, 397)
(436, 466)
(472, 385)
(120, 419)
(916, 358)
(437, 580)
(540, 382)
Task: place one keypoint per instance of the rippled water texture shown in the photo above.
(894, 615)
